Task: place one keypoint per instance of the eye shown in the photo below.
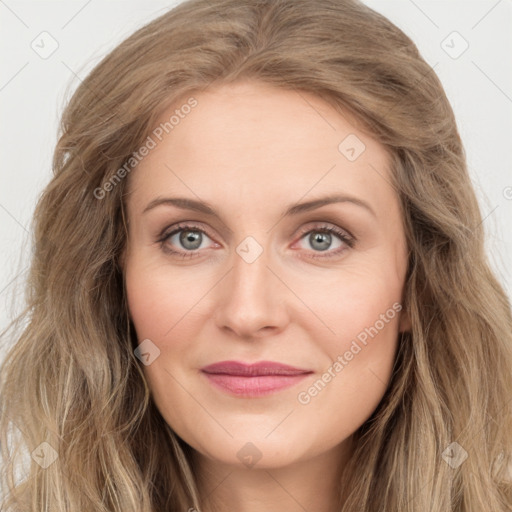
(320, 240)
(188, 238)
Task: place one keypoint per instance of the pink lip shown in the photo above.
(253, 380)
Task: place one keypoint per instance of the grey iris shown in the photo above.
(320, 241)
(190, 237)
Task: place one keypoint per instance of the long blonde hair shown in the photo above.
(71, 379)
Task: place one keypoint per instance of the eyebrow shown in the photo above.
(191, 204)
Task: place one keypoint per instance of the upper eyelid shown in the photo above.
(181, 226)
(325, 224)
(310, 226)
(316, 216)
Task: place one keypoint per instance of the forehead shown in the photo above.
(250, 141)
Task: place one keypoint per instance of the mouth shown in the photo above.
(253, 380)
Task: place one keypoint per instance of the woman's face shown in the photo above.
(254, 276)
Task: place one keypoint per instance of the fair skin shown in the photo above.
(250, 151)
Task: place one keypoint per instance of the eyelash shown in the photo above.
(345, 237)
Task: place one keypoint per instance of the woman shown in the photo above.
(259, 280)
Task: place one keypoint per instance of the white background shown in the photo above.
(33, 91)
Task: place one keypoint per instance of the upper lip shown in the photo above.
(254, 369)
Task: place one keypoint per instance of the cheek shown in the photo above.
(359, 364)
(158, 299)
(362, 349)
(161, 305)
(356, 303)
(358, 332)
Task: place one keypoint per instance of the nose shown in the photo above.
(252, 300)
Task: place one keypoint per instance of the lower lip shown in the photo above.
(253, 386)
